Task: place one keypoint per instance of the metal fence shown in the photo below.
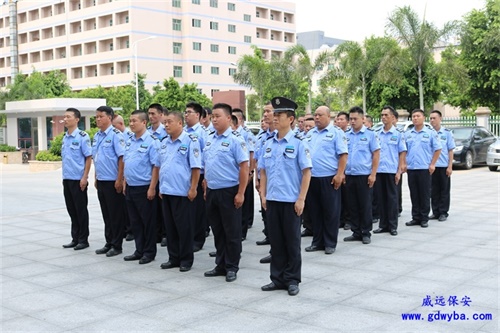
(458, 121)
(495, 125)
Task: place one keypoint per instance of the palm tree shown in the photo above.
(420, 37)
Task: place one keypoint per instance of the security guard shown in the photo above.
(285, 173)
(192, 116)
(141, 178)
(179, 160)
(423, 153)
(441, 178)
(76, 160)
(329, 157)
(390, 170)
(107, 150)
(225, 158)
(361, 173)
(342, 121)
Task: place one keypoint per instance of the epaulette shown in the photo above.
(271, 136)
(370, 129)
(246, 129)
(447, 129)
(299, 136)
(336, 127)
(154, 137)
(116, 130)
(236, 133)
(211, 133)
(166, 136)
(193, 137)
(83, 133)
(398, 129)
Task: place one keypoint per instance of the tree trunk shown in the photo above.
(420, 88)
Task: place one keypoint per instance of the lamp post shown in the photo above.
(134, 47)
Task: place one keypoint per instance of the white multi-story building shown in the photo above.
(92, 41)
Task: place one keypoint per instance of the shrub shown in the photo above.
(56, 145)
(47, 156)
(6, 148)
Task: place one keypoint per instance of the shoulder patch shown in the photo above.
(400, 130)
(236, 133)
(116, 130)
(299, 136)
(211, 133)
(193, 137)
(271, 136)
(447, 129)
(83, 133)
(154, 137)
(370, 129)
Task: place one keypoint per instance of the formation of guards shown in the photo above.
(193, 172)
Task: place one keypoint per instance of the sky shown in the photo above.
(360, 19)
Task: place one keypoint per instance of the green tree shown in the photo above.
(174, 97)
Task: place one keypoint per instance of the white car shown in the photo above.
(493, 155)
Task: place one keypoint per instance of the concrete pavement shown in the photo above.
(360, 288)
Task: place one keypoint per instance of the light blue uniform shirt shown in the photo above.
(75, 149)
(392, 143)
(176, 159)
(326, 147)
(140, 156)
(259, 145)
(283, 160)
(361, 146)
(222, 156)
(421, 146)
(159, 133)
(209, 129)
(447, 144)
(198, 132)
(107, 147)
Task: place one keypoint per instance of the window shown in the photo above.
(213, 91)
(214, 48)
(214, 70)
(247, 39)
(196, 23)
(196, 46)
(196, 69)
(176, 24)
(195, 2)
(231, 49)
(247, 17)
(176, 3)
(257, 14)
(214, 3)
(232, 71)
(127, 44)
(126, 19)
(112, 70)
(231, 6)
(177, 71)
(214, 26)
(177, 48)
(231, 28)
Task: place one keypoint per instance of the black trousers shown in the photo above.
(113, 210)
(323, 204)
(179, 222)
(419, 183)
(345, 215)
(76, 204)
(306, 218)
(142, 215)
(440, 192)
(200, 218)
(375, 202)
(284, 235)
(247, 209)
(387, 192)
(360, 205)
(160, 225)
(400, 194)
(225, 221)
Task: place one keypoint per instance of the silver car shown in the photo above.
(493, 155)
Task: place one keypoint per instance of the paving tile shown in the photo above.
(29, 324)
(130, 322)
(47, 299)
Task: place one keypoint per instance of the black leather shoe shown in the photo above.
(412, 223)
(329, 250)
(433, 217)
(266, 260)
(442, 218)
(380, 230)
(366, 240)
(81, 246)
(265, 241)
(306, 233)
(424, 224)
(168, 265)
(103, 250)
(129, 237)
(314, 248)
(212, 254)
(231, 276)
(70, 245)
(113, 252)
(351, 239)
(394, 232)
(196, 248)
(293, 289)
(347, 226)
(145, 260)
(214, 272)
(270, 287)
(184, 268)
(163, 242)
(132, 257)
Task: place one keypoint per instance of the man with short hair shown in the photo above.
(423, 153)
(361, 173)
(107, 150)
(368, 122)
(76, 154)
(225, 158)
(308, 125)
(441, 178)
(155, 114)
(141, 178)
(206, 120)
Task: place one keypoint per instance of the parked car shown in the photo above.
(255, 129)
(404, 125)
(493, 155)
(472, 144)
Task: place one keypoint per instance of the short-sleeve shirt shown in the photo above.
(392, 143)
(421, 146)
(76, 148)
(447, 144)
(326, 147)
(140, 157)
(361, 146)
(107, 148)
(159, 132)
